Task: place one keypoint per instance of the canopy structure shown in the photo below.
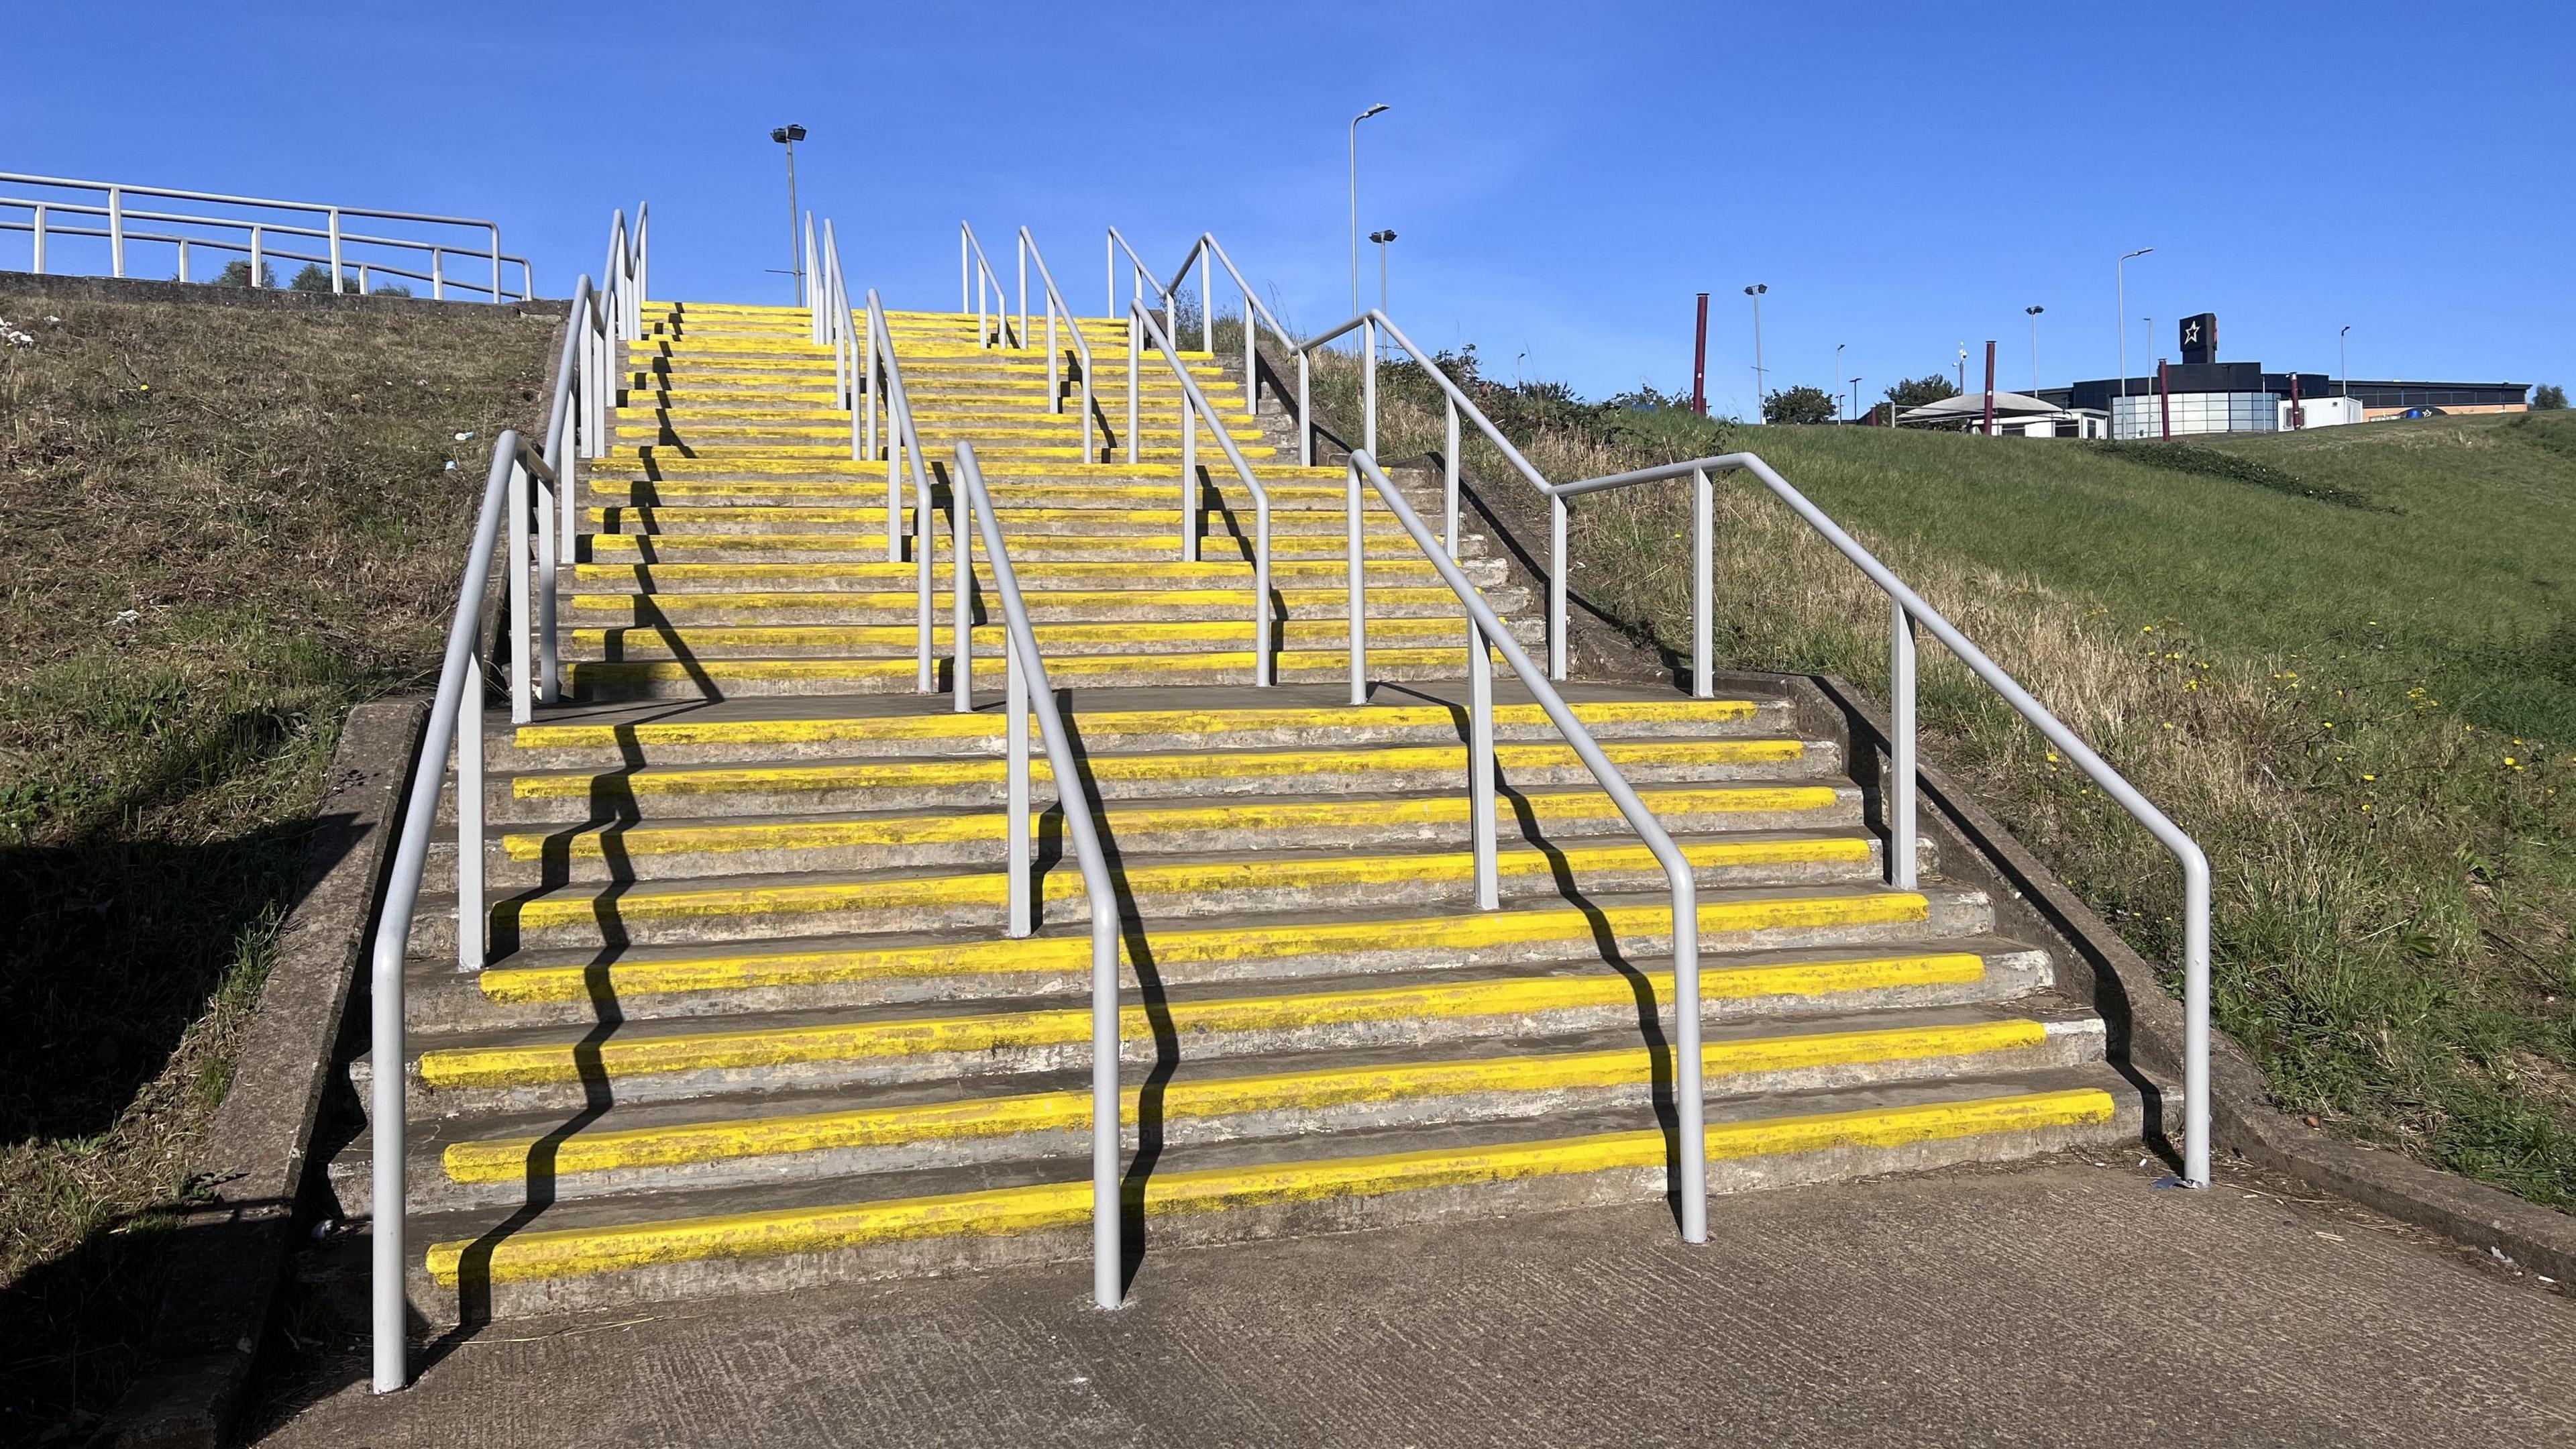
(1969, 408)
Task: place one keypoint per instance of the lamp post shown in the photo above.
(2034, 347)
(1355, 201)
(1382, 237)
(1755, 292)
(788, 136)
(1855, 399)
(2120, 285)
(2343, 357)
(1838, 367)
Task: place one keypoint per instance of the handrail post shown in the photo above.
(1265, 666)
(1449, 481)
(116, 236)
(496, 266)
(1251, 373)
(437, 273)
(1358, 594)
(1690, 1107)
(1019, 858)
(1133, 308)
(961, 598)
(1900, 747)
(1703, 586)
(335, 251)
(1480, 767)
(2195, 998)
(1207, 302)
(549, 651)
(964, 268)
(1368, 388)
(1190, 499)
(37, 263)
(1024, 291)
(1305, 417)
(519, 601)
(1556, 643)
(472, 919)
(1055, 378)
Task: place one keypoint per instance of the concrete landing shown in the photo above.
(2056, 1304)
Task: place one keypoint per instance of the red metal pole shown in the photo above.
(1990, 387)
(2164, 399)
(2298, 415)
(1699, 361)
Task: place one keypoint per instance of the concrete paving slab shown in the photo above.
(2065, 1303)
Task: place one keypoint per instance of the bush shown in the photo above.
(1800, 405)
(236, 273)
(391, 289)
(314, 278)
(2548, 396)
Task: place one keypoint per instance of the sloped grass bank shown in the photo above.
(2355, 690)
(223, 528)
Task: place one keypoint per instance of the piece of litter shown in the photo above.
(2545, 1278)
(128, 616)
(464, 437)
(451, 466)
(2498, 1255)
(2146, 1161)
(53, 321)
(2329, 1237)
(322, 1230)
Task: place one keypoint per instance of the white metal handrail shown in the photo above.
(1207, 253)
(1485, 628)
(975, 274)
(111, 204)
(1055, 307)
(1030, 692)
(1194, 406)
(1139, 276)
(1908, 609)
(903, 441)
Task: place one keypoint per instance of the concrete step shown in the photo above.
(1172, 886)
(901, 782)
(741, 1139)
(518, 858)
(860, 489)
(776, 732)
(1142, 551)
(1021, 510)
(1807, 939)
(716, 679)
(1060, 643)
(747, 465)
(588, 1254)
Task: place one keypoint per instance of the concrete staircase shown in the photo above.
(752, 1020)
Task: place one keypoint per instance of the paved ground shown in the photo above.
(2059, 1304)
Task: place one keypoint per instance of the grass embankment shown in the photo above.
(223, 527)
(2345, 660)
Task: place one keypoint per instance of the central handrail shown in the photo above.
(974, 272)
(1029, 691)
(1139, 275)
(1484, 627)
(1055, 306)
(1195, 405)
(1207, 246)
(903, 441)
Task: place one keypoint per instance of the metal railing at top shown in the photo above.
(532, 535)
(1486, 629)
(1056, 307)
(903, 441)
(1140, 276)
(1194, 407)
(975, 275)
(248, 234)
(1029, 692)
(1907, 609)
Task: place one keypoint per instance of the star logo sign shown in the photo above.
(2191, 333)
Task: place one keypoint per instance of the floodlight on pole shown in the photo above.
(2034, 347)
(1838, 367)
(2343, 357)
(1377, 109)
(2120, 285)
(1756, 292)
(788, 136)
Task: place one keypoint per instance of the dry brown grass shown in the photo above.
(224, 527)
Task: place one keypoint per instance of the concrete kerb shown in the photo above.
(230, 1249)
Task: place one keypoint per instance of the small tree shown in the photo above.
(1799, 405)
(236, 273)
(1914, 392)
(2549, 396)
(314, 278)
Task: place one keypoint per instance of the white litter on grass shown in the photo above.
(129, 616)
(451, 466)
(465, 437)
(13, 336)
(2498, 1255)
(53, 321)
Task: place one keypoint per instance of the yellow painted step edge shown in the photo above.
(1071, 954)
(506, 1160)
(577, 1252)
(461, 1068)
(1109, 723)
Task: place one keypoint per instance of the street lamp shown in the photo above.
(2343, 357)
(1755, 292)
(2034, 347)
(1355, 201)
(1382, 238)
(2120, 284)
(1838, 366)
(1855, 399)
(788, 136)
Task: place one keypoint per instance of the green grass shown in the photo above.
(2345, 660)
(223, 528)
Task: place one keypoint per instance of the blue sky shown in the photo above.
(1563, 178)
